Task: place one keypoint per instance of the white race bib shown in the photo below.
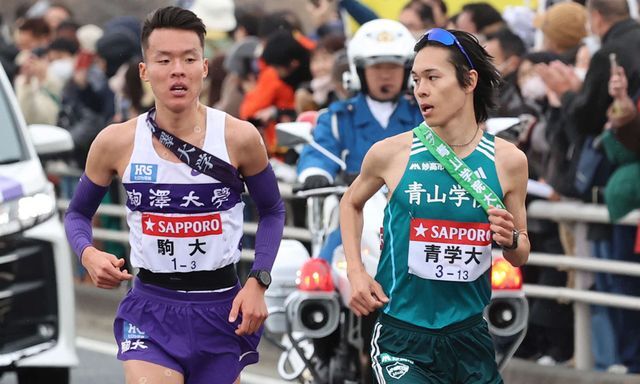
(182, 243)
(449, 250)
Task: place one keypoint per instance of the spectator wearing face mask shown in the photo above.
(550, 322)
(320, 91)
(62, 55)
(41, 80)
(507, 50)
(584, 105)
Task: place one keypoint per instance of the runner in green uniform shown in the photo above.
(452, 190)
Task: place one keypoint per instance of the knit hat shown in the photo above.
(217, 15)
(116, 47)
(88, 35)
(564, 23)
(241, 55)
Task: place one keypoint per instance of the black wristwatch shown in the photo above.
(263, 277)
(514, 244)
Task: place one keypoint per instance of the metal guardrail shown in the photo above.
(582, 299)
(568, 211)
(555, 211)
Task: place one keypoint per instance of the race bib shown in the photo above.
(183, 243)
(449, 250)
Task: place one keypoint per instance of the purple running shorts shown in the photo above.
(187, 332)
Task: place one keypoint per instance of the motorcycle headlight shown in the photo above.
(27, 211)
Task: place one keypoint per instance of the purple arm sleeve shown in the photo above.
(77, 219)
(263, 189)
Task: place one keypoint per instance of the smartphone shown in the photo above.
(84, 60)
(613, 61)
(615, 106)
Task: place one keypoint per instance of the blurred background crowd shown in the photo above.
(571, 75)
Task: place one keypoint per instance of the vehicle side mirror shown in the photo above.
(495, 125)
(294, 133)
(50, 140)
(299, 132)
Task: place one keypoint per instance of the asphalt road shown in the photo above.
(95, 309)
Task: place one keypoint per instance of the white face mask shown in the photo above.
(581, 73)
(593, 43)
(533, 88)
(61, 69)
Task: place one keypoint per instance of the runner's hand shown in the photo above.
(501, 226)
(366, 294)
(250, 303)
(104, 268)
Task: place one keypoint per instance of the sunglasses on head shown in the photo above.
(447, 38)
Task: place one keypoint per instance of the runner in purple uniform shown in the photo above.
(184, 167)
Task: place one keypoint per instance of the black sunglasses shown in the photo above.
(447, 38)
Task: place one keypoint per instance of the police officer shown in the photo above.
(380, 57)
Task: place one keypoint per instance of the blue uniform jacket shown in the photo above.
(357, 130)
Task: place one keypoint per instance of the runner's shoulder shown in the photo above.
(396, 145)
(115, 138)
(510, 156)
(383, 152)
(240, 134)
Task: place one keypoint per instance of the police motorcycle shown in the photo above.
(308, 298)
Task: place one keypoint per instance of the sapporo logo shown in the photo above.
(397, 370)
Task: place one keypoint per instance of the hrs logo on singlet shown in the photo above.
(144, 172)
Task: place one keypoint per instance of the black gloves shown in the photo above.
(315, 181)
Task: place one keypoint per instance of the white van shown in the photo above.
(37, 312)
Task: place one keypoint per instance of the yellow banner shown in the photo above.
(390, 9)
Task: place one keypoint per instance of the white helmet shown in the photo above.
(378, 41)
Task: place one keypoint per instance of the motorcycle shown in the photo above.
(308, 298)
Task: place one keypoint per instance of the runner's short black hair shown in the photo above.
(172, 18)
(484, 95)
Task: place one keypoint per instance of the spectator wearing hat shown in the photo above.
(585, 104)
(563, 27)
(219, 18)
(88, 35)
